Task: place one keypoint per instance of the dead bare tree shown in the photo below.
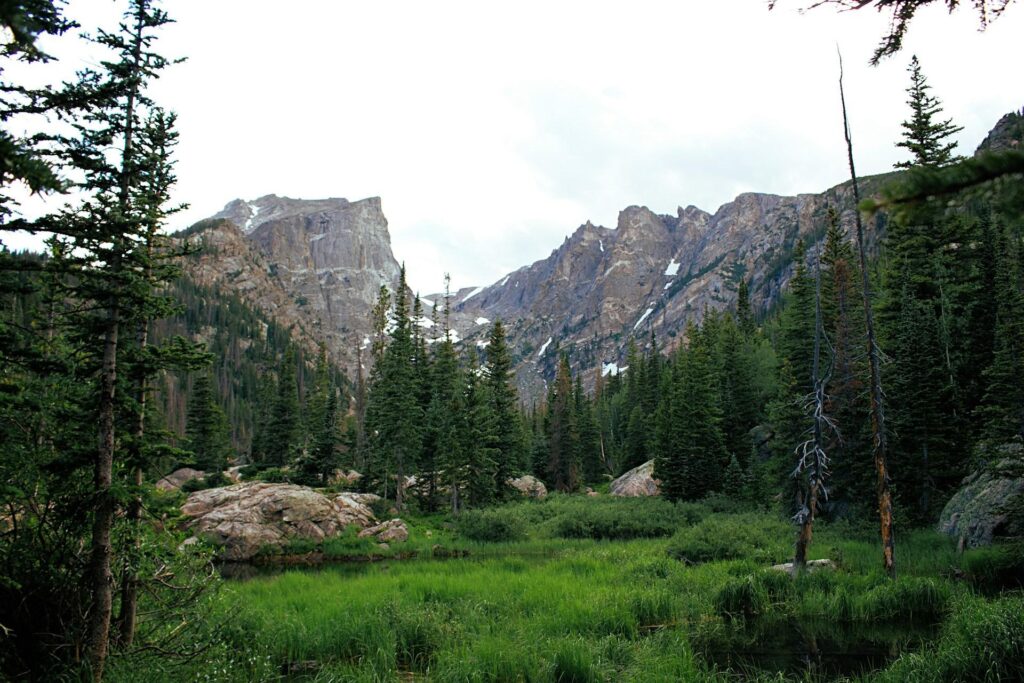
(811, 456)
(880, 446)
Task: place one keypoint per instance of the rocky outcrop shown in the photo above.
(316, 266)
(176, 479)
(980, 511)
(529, 486)
(391, 531)
(639, 481)
(243, 519)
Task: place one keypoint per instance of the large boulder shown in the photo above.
(529, 486)
(176, 479)
(639, 481)
(980, 511)
(243, 518)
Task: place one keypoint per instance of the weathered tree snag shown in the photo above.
(811, 454)
(879, 441)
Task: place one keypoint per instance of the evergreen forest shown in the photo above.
(192, 489)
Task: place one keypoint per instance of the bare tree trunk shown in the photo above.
(130, 581)
(879, 440)
(814, 462)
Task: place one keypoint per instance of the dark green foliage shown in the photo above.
(760, 537)
(902, 13)
(492, 526)
(394, 415)
(563, 466)
(501, 394)
(691, 451)
(284, 431)
(206, 427)
(925, 137)
(981, 642)
(1002, 407)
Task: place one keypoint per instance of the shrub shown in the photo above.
(995, 568)
(750, 536)
(616, 519)
(211, 481)
(492, 526)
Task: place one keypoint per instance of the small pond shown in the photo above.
(810, 650)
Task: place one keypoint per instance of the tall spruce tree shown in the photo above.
(206, 427)
(563, 470)
(501, 394)
(394, 414)
(284, 433)
(924, 135)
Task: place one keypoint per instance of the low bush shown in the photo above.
(995, 568)
(494, 525)
(730, 537)
(210, 481)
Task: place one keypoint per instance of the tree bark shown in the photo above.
(102, 547)
(103, 522)
(877, 397)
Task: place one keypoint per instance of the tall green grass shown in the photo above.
(538, 607)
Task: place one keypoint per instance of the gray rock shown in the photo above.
(639, 481)
(529, 486)
(976, 514)
(244, 518)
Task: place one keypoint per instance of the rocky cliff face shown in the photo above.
(651, 273)
(315, 265)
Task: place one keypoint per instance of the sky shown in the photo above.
(492, 130)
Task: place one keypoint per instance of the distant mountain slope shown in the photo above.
(652, 273)
(316, 266)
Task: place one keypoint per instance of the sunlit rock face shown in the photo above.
(314, 265)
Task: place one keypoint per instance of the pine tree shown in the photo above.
(394, 414)
(588, 446)
(479, 441)
(562, 435)
(851, 473)
(925, 137)
(502, 397)
(744, 313)
(691, 453)
(207, 428)
(284, 435)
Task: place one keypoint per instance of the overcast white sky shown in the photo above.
(491, 131)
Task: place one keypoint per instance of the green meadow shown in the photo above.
(578, 589)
